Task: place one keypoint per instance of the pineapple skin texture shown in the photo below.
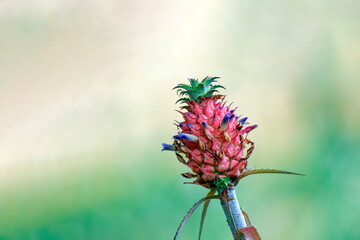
(222, 147)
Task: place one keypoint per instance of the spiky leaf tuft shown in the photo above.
(197, 90)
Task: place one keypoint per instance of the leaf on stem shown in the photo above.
(203, 214)
(190, 212)
(247, 219)
(258, 171)
(247, 233)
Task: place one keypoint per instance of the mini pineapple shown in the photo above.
(215, 143)
(213, 139)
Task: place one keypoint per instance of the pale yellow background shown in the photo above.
(86, 101)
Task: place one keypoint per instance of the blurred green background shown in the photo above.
(86, 101)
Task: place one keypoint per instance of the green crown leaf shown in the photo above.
(197, 90)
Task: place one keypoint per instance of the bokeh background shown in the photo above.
(86, 101)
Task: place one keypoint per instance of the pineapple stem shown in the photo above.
(233, 213)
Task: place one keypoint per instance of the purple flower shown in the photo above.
(168, 147)
(186, 136)
(243, 120)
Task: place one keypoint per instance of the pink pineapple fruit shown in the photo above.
(213, 139)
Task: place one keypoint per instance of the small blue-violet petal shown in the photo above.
(189, 125)
(177, 137)
(225, 122)
(243, 120)
(168, 147)
(204, 124)
(185, 136)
